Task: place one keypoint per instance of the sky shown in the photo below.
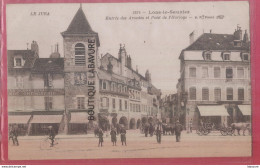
(153, 44)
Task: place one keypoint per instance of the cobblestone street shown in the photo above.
(138, 146)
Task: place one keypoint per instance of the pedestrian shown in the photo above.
(113, 136)
(123, 136)
(52, 135)
(14, 135)
(178, 129)
(100, 137)
(151, 129)
(158, 135)
(191, 125)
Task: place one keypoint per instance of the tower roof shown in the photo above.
(79, 24)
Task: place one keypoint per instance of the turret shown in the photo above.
(122, 58)
(35, 47)
(246, 38)
(56, 53)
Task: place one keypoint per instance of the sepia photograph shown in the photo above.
(128, 80)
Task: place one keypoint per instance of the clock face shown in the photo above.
(80, 78)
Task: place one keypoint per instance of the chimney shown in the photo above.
(192, 37)
(34, 47)
(238, 34)
(246, 38)
(210, 31)
(137, 68)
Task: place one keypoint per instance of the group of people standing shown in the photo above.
(113, 134)
(177, 129)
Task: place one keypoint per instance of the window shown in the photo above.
(120, 88)
(204, 72)
(125, 104)
(217, 94)
(80, 58)
(245, 57)
(193, 93)
(80, 102)
(104, 102)
(131, 108)
(192, 72)
(114, 103)
(229, 73)
(229, 93)
(19, 82)
(18, 62)
(240, 72)
(104, 85)
(205, 94)
(48, 80)
(208, 56)
(120, 104)
(216, 72)
(240, 93)
(226, 57)
(80, 78)
(48, 103)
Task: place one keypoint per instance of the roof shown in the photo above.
(216, 110)
(245, 109)
(27, 55)
(79, 24)
(108, 55)
(210, 41)
(43, 65)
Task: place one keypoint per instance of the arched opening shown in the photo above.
(123, 122)
(103, 123)
(150, 120)
(138, 124)
(144, 120)
(114, 122)
(80, 58)
(132, 123)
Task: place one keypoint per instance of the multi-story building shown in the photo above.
(169, 108)
(80, 89)
(215, 79)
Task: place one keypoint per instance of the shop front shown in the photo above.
(20, 122)
(245, 110)
(40, 124)
(215, 114)
(78, 123)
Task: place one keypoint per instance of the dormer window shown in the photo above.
(226, 56)
(237, 43)
(245, 56)
(18, 61)
(207, 55)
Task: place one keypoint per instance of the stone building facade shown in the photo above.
(215, 80)
(80, 90)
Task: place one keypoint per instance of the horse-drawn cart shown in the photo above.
(205, 129)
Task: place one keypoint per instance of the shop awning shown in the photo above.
(46, 119)
(245, 109)
(79, 118)
(219, 110)
(18, 119)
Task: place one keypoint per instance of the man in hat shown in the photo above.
(178, 129)
(113, 136)
(14, 135)
(100, 137)
(52, 135)
(158, 134)
(123, 135)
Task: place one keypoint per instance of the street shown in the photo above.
(138, 146)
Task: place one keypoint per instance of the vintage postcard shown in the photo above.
(128, 80)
